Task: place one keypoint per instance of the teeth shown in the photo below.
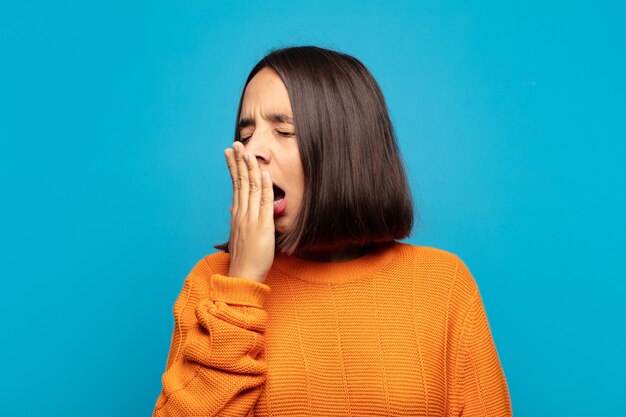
(278, 201)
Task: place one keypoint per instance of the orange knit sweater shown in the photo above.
(400, 331)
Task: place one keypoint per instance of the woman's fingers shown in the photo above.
(242, 178)
(232, 168)
(254, 177)
(267, 199)
(251, 192)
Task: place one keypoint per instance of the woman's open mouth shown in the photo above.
(280, 202)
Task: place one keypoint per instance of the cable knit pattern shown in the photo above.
(399, 331)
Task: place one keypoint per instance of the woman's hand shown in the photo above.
(252, 241)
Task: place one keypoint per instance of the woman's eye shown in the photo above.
(285, 134)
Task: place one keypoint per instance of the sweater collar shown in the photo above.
(339, 272)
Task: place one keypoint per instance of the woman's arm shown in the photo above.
(478, 384)
(482, 381)
(479, 387)
(216, 364)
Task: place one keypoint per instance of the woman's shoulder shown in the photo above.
(206, 266)
(440, 265)
(217, 261)
(430, 254)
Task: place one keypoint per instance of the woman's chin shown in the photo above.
(280, 225)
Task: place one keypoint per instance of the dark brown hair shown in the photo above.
(356, 189)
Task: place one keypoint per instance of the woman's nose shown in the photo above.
(256, 147)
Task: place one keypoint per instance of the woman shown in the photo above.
(313, 307)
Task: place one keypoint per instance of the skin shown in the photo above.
(268, 146)
(274, 144)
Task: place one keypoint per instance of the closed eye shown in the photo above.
(284, 134)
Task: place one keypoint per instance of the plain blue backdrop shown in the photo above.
(113, 119)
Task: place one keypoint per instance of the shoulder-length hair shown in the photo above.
(356, 189)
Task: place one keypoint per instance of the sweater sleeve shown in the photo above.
(216, 363)
(480, 384)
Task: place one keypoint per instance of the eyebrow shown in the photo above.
(272, 117)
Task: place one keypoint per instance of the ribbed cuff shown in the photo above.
(239, 291)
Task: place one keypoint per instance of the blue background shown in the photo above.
(509, 115)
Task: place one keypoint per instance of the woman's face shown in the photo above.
(266, 129)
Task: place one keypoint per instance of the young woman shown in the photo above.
(313, 307)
